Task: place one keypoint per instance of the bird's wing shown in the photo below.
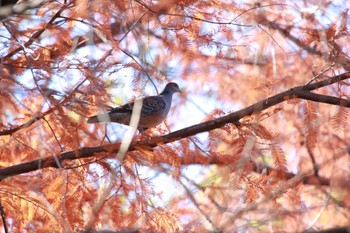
(126, 108)
(154, 110)
(150, 105)
(153, 104)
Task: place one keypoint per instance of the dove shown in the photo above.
(153, 112)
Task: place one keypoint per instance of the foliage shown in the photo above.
(265, 145)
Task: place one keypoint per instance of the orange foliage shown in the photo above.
(280, 167)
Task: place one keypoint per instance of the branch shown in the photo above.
(42, 115)
(324, 99)
(110, 231)
(298, 42)
(35, 36)
(345, 229)
(257, 107)
(160, 11)
(11, 7)
(27, 124)
(2, 213)
(286, 32)
(85, 152)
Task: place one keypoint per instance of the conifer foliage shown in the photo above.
(259, 141)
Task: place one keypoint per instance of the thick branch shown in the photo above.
(324, 99)
(297, 92)
(345, 229)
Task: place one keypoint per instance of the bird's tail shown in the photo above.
(121, 118)
(105, 117)
(93, 119)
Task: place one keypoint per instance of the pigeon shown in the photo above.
(154, 110)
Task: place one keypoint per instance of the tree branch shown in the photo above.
(2, 213)
(345, 229)
(287, 34)
(84, 152)
(324, 99)
(11, 7)
(42, 115)
(35, 35)
(342, 60)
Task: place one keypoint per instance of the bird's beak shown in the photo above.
(178, 90)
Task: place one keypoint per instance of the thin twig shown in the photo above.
(2, 212)
(54, 134)
(321, 73)
(35, 35)
(313, 160)
(42, 115)
(269, 34)
(143, 69)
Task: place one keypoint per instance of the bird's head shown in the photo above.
(171, 88)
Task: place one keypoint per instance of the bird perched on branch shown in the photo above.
(153, 112)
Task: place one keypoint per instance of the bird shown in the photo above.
(153, 112)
